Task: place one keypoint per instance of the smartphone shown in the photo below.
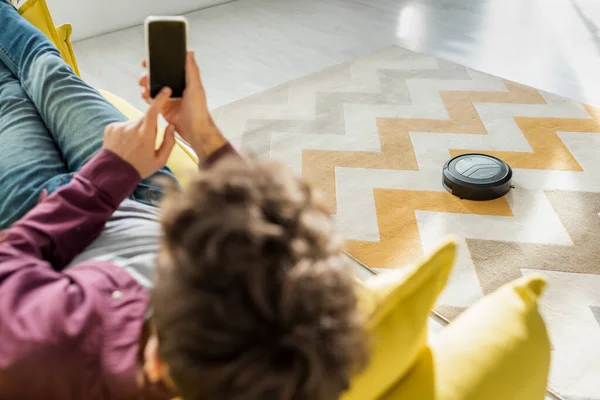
(166, 49)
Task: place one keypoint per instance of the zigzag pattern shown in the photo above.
(373, 134)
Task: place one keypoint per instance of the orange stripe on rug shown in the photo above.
(549, 151)
(400, 242)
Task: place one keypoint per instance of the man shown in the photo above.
(251, 296)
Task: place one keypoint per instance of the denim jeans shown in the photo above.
(51, 122)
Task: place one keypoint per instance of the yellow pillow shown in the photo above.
(497, 350)
(37, 13)
(402, 302)
(64, 36)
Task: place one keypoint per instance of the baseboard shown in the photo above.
(93, 18)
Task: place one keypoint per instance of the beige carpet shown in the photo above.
(373, 135)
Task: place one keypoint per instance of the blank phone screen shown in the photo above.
(167, 48)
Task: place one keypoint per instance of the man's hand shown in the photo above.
(135, 141)
(189, 115)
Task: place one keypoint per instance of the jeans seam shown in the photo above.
(13, 62)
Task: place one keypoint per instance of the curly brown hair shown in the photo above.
(254, 298)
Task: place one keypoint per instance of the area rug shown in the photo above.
(373, 135)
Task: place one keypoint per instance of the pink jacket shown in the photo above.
(71, 334)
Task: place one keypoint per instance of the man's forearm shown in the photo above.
(209, 141)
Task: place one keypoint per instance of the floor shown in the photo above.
(248, 46)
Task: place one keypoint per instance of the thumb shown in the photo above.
(163, 153)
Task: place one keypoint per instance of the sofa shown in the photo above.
(499, 349)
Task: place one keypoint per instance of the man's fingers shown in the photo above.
(135, 124)
(145, 94)
(192, 71)
(159, 103)
(163, 153)
(143, 81)
(115, 126)
(149, 125)
(143, 84)
(144, 91)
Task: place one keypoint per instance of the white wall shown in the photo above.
(94, 17)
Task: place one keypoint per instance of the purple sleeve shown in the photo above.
(44, 313)
(68, 221)
(224, 151)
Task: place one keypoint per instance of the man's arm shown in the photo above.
(51, 322)
(48, 318)
(65, 223)
(212, 145)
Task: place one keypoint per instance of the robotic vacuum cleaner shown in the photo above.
(477, 177)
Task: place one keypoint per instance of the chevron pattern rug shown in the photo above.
(373, 135)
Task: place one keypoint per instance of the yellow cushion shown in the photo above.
(497, 350)
(402, 302)
(64, 36)
(182, 160)
(37, 13)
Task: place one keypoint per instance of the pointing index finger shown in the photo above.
(159, 102)
(149, 123)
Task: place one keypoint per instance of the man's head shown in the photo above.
(253, 298)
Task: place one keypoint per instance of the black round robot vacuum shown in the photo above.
(477, 177)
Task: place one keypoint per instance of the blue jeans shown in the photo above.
(51, 122)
